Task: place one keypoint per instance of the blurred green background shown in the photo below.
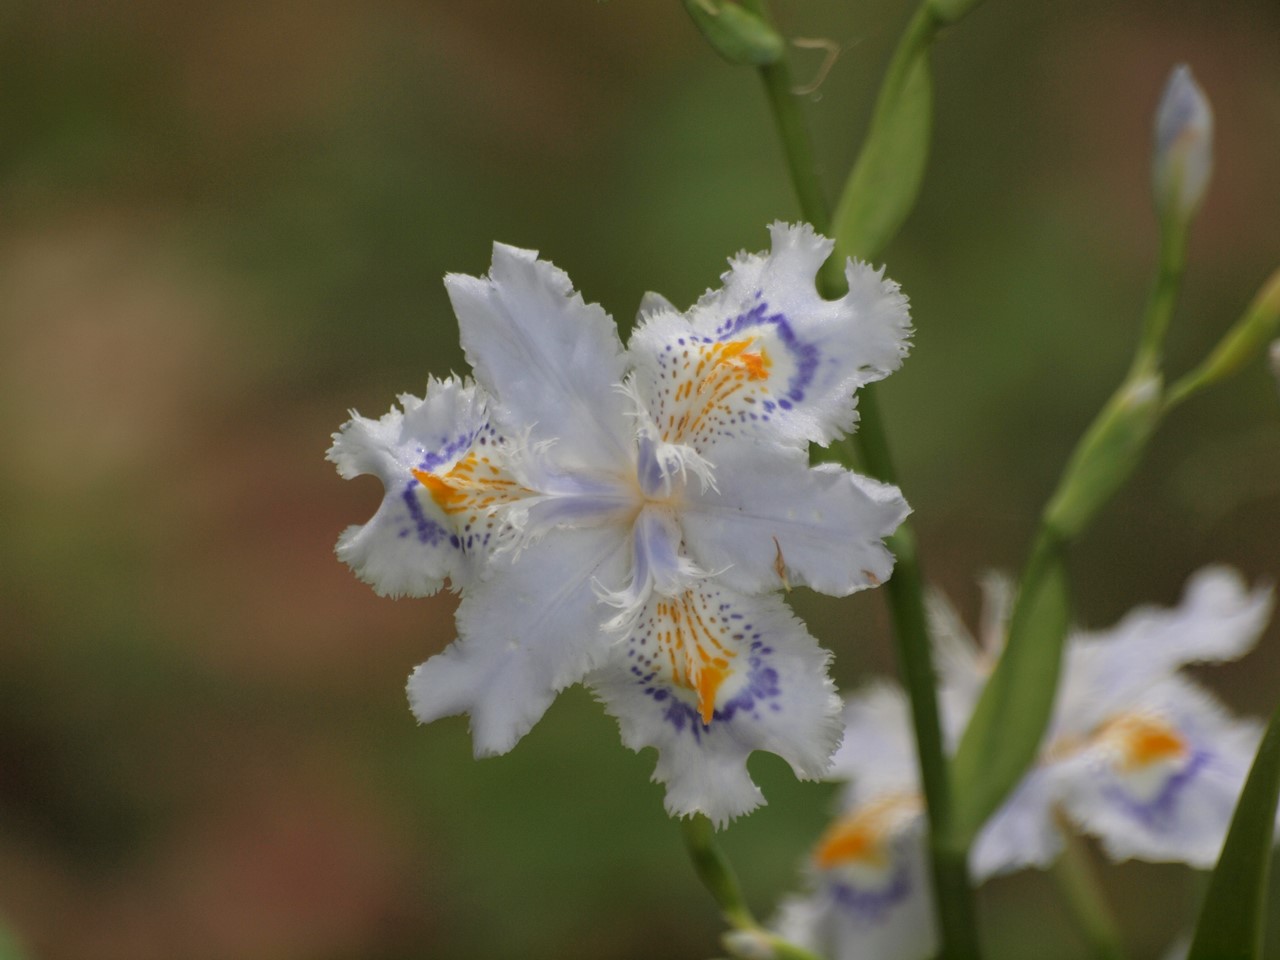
(223, 225)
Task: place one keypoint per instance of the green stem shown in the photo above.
(715, 872)
(921, 30)
(905, 589)
(717, 875)
(1161, 300)
(1077, 879)
(794, 133)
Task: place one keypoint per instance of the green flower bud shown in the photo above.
(736, 33)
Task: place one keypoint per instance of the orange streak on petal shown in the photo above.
(1151, 744)
(845, 842)
(709, 680)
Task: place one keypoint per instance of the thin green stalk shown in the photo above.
(715, 872)
(717, 875)
(1161, 300)
(905, 589)
(921, 30)
(794, 134)
(1078, 881)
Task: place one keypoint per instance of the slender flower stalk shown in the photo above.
(1077, 879)
(905, 589)
(1181, 163)
(748, 940)
(1246, 338)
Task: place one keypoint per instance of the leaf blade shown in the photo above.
(1004, 732)
(884, 183)
(1233, 915)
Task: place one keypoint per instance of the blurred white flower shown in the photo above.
(869, 891)
(1136, 754)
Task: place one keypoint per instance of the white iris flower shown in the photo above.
(1136, 754)
(627, 517)
(870, 895)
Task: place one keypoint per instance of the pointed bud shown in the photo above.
(736, 33)
(1183, 158)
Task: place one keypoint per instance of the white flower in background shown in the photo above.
(628, 517)
(1136, 754)
(869, 890)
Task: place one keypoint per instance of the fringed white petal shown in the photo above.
(1022, 833)
(875, 907)
(1219, 619)
(531, 630)
(711, 676)
(412, 545)
(1160, 780)
(774, 521)
(878, 752)
(550, 360)
(766, 355)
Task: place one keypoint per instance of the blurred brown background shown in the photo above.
(223, 225)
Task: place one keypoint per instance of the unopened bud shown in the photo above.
(736, 33)
(1183, 158)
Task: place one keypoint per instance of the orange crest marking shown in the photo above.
(473, 484)
(1144, 740)
(698, 659)
(860, 835)
(714, 375)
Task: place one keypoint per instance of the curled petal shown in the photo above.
(774, 521)
(710, 676)
(413, 544)
(531, 630)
